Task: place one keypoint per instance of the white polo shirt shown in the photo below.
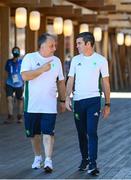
(40, 93)
(86, 70)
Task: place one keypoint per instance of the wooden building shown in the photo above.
(112, 16)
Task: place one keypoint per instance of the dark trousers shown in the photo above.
(86, 115)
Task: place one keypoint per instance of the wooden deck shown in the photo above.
(114, 158)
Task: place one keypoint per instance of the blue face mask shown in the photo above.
(16, 53)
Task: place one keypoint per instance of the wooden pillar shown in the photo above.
(4, 53)
(60, 48)
(110, 60)
(114, 63)
(122, 59)
(42, 25)
(121, 82)
(129, 66)
(76, 32)
(98, 47)
(31, 37)
(105, 44)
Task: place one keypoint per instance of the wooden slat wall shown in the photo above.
(105, 43)
(31, 36)
(4, 52)
(119, 61)
(60, 48)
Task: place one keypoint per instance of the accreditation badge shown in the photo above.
(15, 78)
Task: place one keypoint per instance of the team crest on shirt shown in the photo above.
(79, 64)
(38, 64)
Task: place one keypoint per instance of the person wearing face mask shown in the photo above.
(14, 86)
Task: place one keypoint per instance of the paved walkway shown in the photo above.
(114, 158)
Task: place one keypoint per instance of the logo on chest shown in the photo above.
(38, 64)
(79, 64)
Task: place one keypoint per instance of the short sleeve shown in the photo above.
(72, 68)
(104, 68)
(26, 63)
(60, 75)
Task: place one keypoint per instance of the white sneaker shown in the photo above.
(48, 167)
(38, 163)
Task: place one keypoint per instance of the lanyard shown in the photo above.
(16, 68)
(11, 69)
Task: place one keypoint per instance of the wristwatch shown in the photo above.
(62, 101)
(107, 104)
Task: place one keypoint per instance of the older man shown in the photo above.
(42, 71)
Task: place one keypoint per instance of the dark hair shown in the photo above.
(15, 49)
(16, 52)
(87, 37)
(43, 38)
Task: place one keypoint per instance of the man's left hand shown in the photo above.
(106, 112)
(62, 107)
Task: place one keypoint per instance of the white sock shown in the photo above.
(47, 159)
(38, 157)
